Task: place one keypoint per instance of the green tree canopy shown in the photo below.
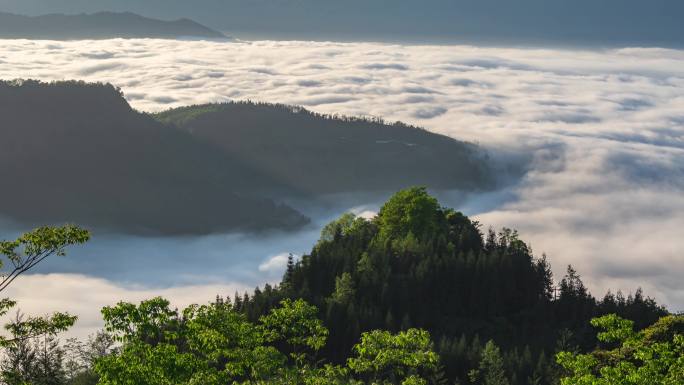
(385, 358)
(491, 370)
(411, 211)
(207, 344)
(20, 256)
(339, 227)
(296, 324)
(33, 247)
(214, 344)
(654, 355)
(32, 353)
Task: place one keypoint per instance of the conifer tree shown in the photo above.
(491, 370)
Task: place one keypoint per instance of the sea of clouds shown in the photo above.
(604, 130)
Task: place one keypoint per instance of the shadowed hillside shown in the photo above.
(101, 25)
(77, 152)
(319, 154)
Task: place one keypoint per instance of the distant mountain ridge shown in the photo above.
(526, 22)
(100, 25)
(77, 152)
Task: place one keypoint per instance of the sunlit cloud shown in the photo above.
(275, 266)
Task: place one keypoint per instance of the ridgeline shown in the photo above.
(77, 152)
(100, 25)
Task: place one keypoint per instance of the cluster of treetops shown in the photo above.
(416, 295)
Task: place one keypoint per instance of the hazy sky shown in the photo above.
(605, 130)
(622, 22)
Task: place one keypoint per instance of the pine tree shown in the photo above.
(491, 242)
(36, 361)
(406, 322)
(50, 361)
(290, 267)
(389, 321)
(491, 371)
(546, 277)
(18, 364)
(572, 285)
(237, 302)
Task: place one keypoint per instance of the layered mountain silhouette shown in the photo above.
(77, 152)
(596, 23)
(101, 25)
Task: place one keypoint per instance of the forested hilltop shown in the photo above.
(419, 265)
(100, 25)
(201, 169)
(415, 296)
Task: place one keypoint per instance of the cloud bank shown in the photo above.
(604, 130)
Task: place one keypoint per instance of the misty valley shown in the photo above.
(414, 267)
(301, 192)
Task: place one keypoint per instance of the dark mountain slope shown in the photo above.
(319, 154)
(101, 25)
(77, 152)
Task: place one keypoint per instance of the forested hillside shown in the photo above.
(77, 152)
(420, 265)
(319, 154)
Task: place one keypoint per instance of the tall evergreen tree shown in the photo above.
(491, 370)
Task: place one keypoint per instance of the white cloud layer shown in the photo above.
(605, 129)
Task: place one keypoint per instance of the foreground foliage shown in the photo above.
(21, 256)
(214, 344)
(654, 355)
(32, 354)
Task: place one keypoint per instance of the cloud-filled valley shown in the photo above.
(604, 130)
